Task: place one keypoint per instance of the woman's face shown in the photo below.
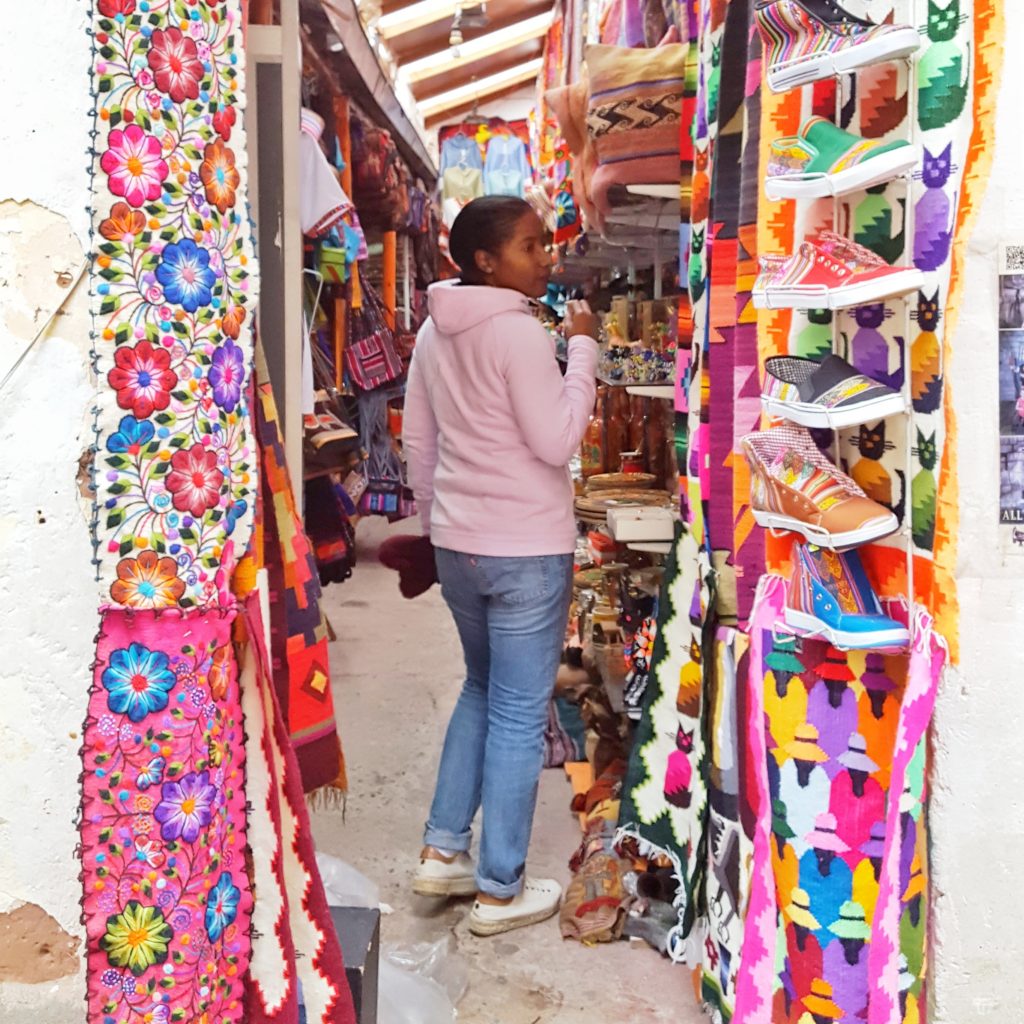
(522, 263)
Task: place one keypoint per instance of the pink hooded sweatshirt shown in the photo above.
(490, 424)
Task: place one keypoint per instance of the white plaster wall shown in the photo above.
(47, 596)
(978, 795)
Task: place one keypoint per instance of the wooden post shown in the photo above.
(342, 130)
(261, 12)
(390, 269)
(340, 330)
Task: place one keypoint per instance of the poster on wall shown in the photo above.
(1011, 398)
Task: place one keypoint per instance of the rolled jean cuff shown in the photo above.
(497, 890)
(440, 839)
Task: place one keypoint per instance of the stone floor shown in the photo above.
(396, 667)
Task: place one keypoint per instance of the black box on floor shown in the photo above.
(359, 934)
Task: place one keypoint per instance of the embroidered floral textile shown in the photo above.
(172, 297)
(167, 899)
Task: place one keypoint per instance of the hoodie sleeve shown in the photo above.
(552, 411)
(419, 437)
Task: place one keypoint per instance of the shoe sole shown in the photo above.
(810, 415)
(904, 280)
(816, 66)
(486, 928)
(875, 171)
(824, 539)
(443, 887)
(808, 625)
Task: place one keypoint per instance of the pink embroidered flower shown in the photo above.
(134, 165)
(174, 61)
(143, 379)
(195, 480)
(143, 79)
(112, 8)
(149, 852)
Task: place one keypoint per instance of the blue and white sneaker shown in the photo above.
(830, 597)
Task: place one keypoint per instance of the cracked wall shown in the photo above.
(48, 615)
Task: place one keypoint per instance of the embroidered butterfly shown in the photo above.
(152, 773)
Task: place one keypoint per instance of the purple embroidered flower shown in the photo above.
(186, 807)
(181, 919)
(227, 374)
(107, 725)
(128, 984)
(110, 978)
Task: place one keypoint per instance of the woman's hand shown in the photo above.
(580, 319)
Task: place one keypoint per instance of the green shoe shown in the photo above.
(824, 160)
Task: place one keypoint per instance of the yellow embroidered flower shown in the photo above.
(137, 938)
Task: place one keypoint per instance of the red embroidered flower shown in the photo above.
(195, 480)
(174, 61)
(223, 122)
(143, 379)
(112, 8)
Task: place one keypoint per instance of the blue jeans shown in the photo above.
(511, 615)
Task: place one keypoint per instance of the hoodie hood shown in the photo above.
(456, 308)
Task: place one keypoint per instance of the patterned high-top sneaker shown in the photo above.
(794, 487)
(807, 40)
(830, 596)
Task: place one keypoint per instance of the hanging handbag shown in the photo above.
(370, 356)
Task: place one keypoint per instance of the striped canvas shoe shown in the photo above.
(829, 394)
(830, 272)
(807, 40)
(794, 487)
(824, 160)
(831, 597)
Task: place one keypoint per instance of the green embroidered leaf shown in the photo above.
(117, 462)
(164, 418)
(125, 547)
(111, 249)
(115, 518)
(117, 488)
(160, 469)
(105, 84)
(111, 304)
(111, 274)
(104, 795)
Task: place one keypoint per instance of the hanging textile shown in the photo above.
(298, 629)
(838, 913)
(294, 943)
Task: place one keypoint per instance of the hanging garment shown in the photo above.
(507, 170)
(460, 151)
(462, 183)
(322, 199)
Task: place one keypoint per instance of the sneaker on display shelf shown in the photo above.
(830, 272)
(538, 900)
(830, 597)
(829, 394)
(794, 487)
(807, 40)
(824, 160)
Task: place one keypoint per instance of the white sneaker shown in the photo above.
(539, 900)
(435, 877)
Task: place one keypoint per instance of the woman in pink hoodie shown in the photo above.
(490, 426)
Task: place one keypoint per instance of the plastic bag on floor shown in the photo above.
(439, 961)
(408, 998)
(344, 885)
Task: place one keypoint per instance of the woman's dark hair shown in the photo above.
(486, 223)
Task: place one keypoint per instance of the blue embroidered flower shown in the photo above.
(221, 906)
(235, 511)
(131, 435)
(138, 681)
(186, 275)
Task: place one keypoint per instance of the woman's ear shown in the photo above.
(484, 262)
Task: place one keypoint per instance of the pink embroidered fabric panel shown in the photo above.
(167, 898)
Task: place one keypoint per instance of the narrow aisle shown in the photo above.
(397, 668)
